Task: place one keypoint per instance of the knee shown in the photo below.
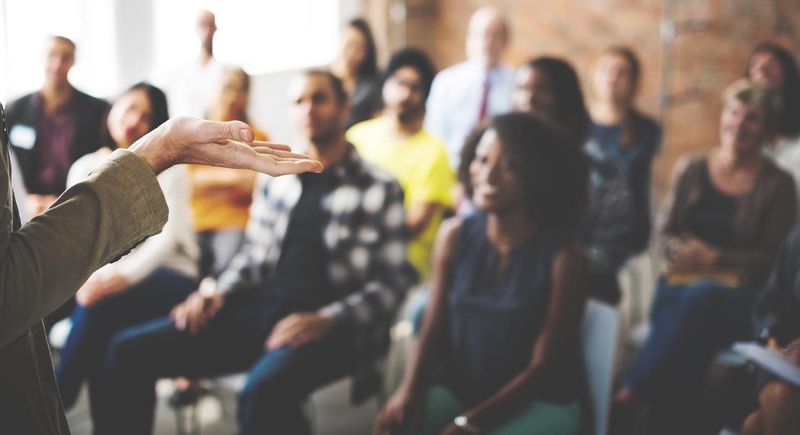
(753, 424)
(126, 352)
(262, 390)
(779, 395)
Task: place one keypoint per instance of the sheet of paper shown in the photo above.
(771, 361)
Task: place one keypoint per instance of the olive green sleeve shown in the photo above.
(43, 263)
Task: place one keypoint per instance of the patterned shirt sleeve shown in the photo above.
(246, 268)
(389, 274)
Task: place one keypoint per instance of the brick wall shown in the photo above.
(683, 77)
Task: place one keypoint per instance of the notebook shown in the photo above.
(770, 361)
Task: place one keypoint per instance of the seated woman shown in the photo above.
(779, 404)
(776, 67)
(725, 216)
(778, 323)
(623, 143)
(549, 87)
(220, 196)
(356, 65)
(147, 282)
(499, 350)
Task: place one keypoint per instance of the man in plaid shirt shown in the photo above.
(304, 302)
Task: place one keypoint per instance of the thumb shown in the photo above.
(221, 132)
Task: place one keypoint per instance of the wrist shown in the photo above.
(463, 422)
(150, 148)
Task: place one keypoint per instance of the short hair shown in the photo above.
(413, 58)
(553, 169)
(369, 66)
(632, 122)
(752, 93)
(338, 87)
(65, 40)
(790, 90)
(570, 106)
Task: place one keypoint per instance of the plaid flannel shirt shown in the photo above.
(365, 239)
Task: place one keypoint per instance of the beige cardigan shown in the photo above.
(763, 219)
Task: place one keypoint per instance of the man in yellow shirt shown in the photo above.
(396, 142)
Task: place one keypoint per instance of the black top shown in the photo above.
(711, 219)
(365, 100)
(495, 319)
(90, 113)
(300, 279)
(777, 312)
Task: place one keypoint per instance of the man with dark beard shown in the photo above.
(301, 304)
(397, 143)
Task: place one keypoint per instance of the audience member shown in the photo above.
(549, 87)
(623, 138)
(92, 223)
(220, 196)
(190, 87)
(147, 282)
(53, 127)
(322, 270)
(775, 66)
(356, 65)
(724, 218)
(778, 323)
(466, 93)
(397, 142)
(500, 347)
(779, 403)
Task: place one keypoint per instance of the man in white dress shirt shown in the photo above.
(189, 88)
(466, 93)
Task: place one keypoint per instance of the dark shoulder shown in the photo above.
(21, 104)
(649, 125)
(449, 233)
(85, 100)
(689, 165)
(777, 175)
(370, 175)
(570, 260)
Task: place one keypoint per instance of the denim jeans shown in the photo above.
(93, 327)
(689, 325)
(278, 381)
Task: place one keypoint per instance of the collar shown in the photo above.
(347, 166)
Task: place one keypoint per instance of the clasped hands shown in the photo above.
(293, 330)
(690, 252)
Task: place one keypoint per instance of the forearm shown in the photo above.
(512, 398)
(93, 222)
(425, 351)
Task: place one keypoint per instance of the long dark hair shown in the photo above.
(789, 124)
(632, 121)
(158, 107)
(553, 170)
(369, 66)
(570, 107)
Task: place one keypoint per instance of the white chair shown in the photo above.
(724, 358)
(600, 329)
(59, 333)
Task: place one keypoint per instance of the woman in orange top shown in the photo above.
(220, 196)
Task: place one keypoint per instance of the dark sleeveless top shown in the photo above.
(494, 320)
(712, 218)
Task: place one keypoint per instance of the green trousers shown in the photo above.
(539, 418)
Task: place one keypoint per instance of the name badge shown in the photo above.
(22, 136)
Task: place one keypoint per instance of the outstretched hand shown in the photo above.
(226, 144)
